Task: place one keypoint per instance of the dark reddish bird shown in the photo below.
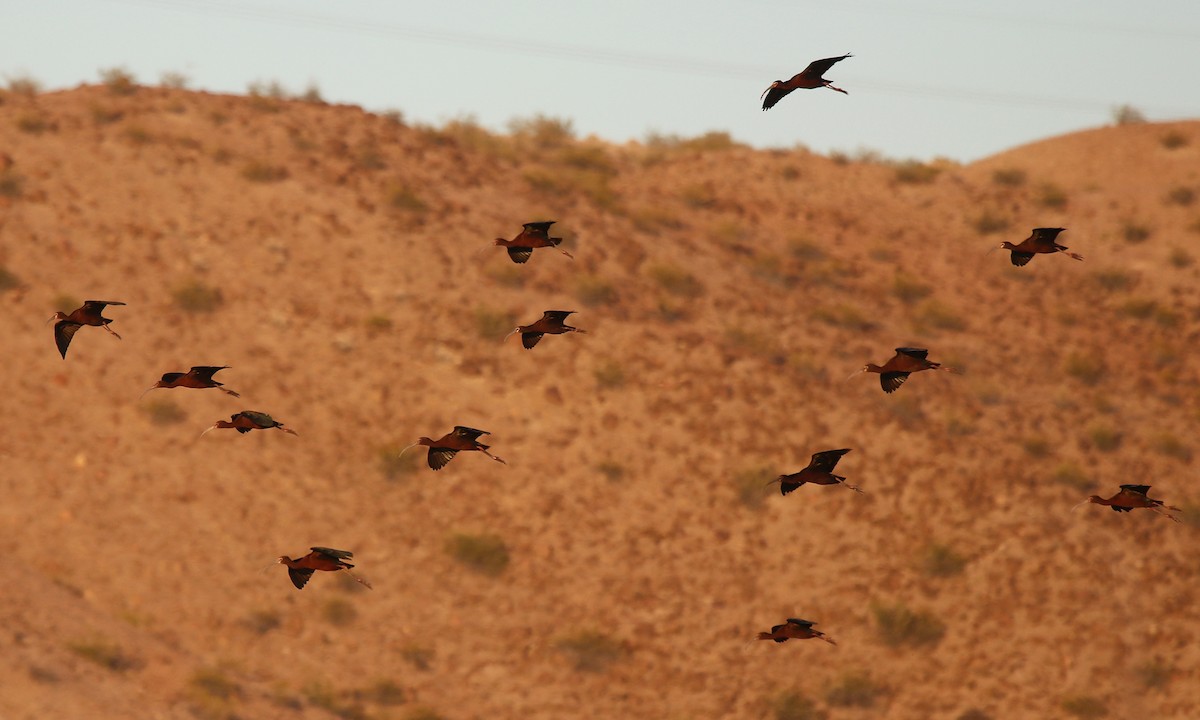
(552, 322)
(807, 80)
(321, 558)
(795, 629)
(906, 361)
(200, 376)
(89, 314)
(535, 235)
(1042, 240)
(818, 472)
(460, 439)
(248, 420)
(1130, 497)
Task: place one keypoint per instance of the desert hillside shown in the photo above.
(622, 562)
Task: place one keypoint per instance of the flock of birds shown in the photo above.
(819, 471)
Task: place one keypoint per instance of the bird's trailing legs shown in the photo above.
(114, 332)
(485, 452)
(357, 579)
(1077, 256)
(831, 87)
(855, 488)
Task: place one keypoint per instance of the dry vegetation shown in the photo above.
(620, 563)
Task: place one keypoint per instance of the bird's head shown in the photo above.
(1006, 245)
(511, 333)
(60, 315)
(282, 560)
(1091, 499)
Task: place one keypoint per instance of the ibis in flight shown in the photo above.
(91, 313)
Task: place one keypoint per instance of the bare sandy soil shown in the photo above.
(338, 262)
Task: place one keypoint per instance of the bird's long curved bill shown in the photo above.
(514, 332)
(214, 427)
(855, 374)
(1076, 507)
(410, 447)
(146, 391)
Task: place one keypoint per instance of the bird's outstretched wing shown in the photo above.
(827, 460)
(541, 228)
(1139, 489)
(332, 553)
(529, 339)
(438, 457)
(98, 305)
(772, 95)
(801, 623)
(892, 381)
(919, 353)
(1045, 235)
(299, 576)
(817, 68)
(520, 255)
(468, 433)
(63, 332)
(206, 372)
(1021, 259)
(556, 316)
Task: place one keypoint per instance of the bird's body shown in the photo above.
(906, 361)
(200, 377)
(460, 439)
(552, 322)
(1131, 497)
(534, 235)
(795, 629)
(808, 79)
(321, 558)
(248, 420)
(1041, 240)
(90, 313)
(819, 472)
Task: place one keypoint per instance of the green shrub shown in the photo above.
(12, 185)
(1114, 280)
(591, 651)
(261, 622)
(493, 324)
(1010, 177)
(595, 291)
(1153, 674)
(611, 470)
(214, 683)
(1085, 706)
(751, 486)
(898, 625)
(34, 123)
(1071, 475)
(844, 316)
(909, 290)
(105, 654)
(938, 560)
(24, 85)
(486, 554)
(1086, 368)
(395, 466)
(1171, 446)
(934, 314)
(854, 690)
(609, 374)
(542, 132)
(1127, 115)
(119, 81)
(677, 281)
(196, 297)
(262, 172)
(405, 199)
(164, 412)
(1104, 438)
(174, 80)
(791, 705)
(913, 172)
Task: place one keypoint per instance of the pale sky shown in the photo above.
(928, 78)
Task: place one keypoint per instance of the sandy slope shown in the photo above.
(727, 293)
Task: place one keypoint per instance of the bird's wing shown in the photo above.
(332, 553)
(827, 460)
(438, 457)
(1021, 259)
(556, 316)
(892, 381)
(468, 433)
(530, 339)
(776, 628)
(817, 68)
(1045, 234)
(1139, 489)
(520, 255)
(802, 623)
(98, 305)
(919, 353)
(206, 372)
(63, 332)
(774, 94)
(541, 228)
(260, 419)
(299, 576)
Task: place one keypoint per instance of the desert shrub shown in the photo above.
(1171, 446)
(1114, 280)
(609, 374)
(698, 196)
(909, 289)
(378, 323)
(383, 692)
(1089, 369)
(401, 197)
(24, 85)
(104, 114)
(1086, 707)
(1153, 674)
(938, 316)
(988, 223)
(677, 281)
(1135, 233)
(1036, 447)
(175, 80)
(1173, 140)
(1181, 196)
(34, 123)
(8, 281)
(119, 81)
(486, 554)
(751, 486)
(1138, 308)
(214, 683)
(1103, 438)
(973, 714)
(12, 185)
(595, 291)
(137, 135)
(163, 412)
(338, 612)
(790, 172)
(805, 250)
(1071, 475)
(272, 89)
(368, 157)
(263, 172)
(419, 656)
(542, 132)
(1009, 177)
(321, 695)
(1052, 196)
(1179, 258)
(939, 560)
(899, 625)
(591, 651)
(1127, 115)
(592, 158)
(393, 466)
(261, 622)
(791, 705)
(103, 653)
(197, 297)
(844, 316)
(712, 141)
(854, 690)
(914, 172)
(311, 94)
(611, 470)
(655, 219)
(493, 324)
(423, 713)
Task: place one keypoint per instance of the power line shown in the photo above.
(633, 60)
